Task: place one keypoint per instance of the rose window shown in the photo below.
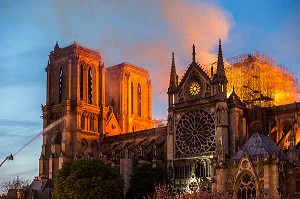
(195, 134)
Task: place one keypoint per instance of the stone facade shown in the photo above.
(129, 93)
(209, 141)
(209, 137)
(77, 91)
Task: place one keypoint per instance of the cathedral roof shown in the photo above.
(128, 65)
(134, 139)
(75, 47)
(259, 144)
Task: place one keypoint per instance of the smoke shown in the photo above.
(144, 33)
(183, 23)
(199, 23)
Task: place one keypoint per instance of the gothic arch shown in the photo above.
(92, 66)
(84, 145)
(59, 65)
(203, 168)
(246, 185)
(133, 79)
(82, 63)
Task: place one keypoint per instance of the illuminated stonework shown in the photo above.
(96, 101)
(129, 94)
(207, 135)
(195, 134)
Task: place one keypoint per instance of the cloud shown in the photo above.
(144, 33)
(173, 26)
(199, 23)
(9, 122)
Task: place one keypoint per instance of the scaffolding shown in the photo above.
(260, 81)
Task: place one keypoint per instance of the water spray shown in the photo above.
(45, 131)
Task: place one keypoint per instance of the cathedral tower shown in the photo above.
(129, 96)
(75, 91)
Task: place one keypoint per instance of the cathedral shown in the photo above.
(209, 137)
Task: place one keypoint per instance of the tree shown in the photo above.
(87, 179)
(16, 183)
(143, 180)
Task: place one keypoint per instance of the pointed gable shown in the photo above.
(112, 127)
(195, 82)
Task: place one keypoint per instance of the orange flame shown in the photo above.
(258, 80)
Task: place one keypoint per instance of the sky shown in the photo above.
(144, 33)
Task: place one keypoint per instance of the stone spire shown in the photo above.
(194, 53)
(56, 47)
(173, 75)
(220, 66)
(219, 79)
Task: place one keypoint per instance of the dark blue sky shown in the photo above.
(144, 33)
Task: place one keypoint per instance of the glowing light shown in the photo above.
(195, 88)
(258, 80)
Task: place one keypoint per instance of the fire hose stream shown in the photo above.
(45, 131)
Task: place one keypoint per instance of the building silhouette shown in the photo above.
(210, 138)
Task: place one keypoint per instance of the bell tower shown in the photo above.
(75, 92)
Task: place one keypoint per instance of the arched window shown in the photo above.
(139, 101)
(132, 97)
(81, 81)
(60, 84)
(246, 188)
(90, 86)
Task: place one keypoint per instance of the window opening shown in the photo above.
(132, 97)
(90, 85)
(60, 84)
(139, 100)
(81, 81)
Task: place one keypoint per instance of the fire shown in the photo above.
(258, 80)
